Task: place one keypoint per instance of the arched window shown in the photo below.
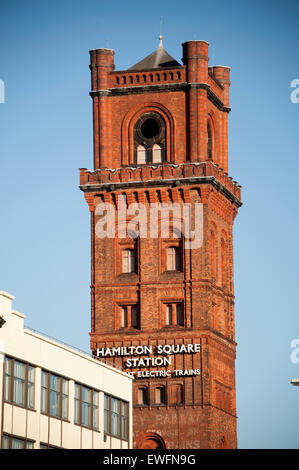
(149, 139)
(141, 155)
(157, 153)
(213, 256)
(210, 144)
(128, 261)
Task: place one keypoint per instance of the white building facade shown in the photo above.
(54, 396)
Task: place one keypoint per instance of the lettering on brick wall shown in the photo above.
(160, 356)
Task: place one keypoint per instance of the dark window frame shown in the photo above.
(162, 394)
(10, 398)
(20, 438)
(47, 446)
(146, 396)
(92, 425)
(149, 142)
(174, 314)
(124, 436)
(61, 394)
(131, 318)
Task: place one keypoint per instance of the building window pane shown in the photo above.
(157, 153)
(209, 131)
(116, 417)
(77, 411)
(5, 442)
(142, 396)
(12, 442)
(128, 261)
(30, 387)
(124, 420)
(160, 395)
(44, 394)
(135, 319)
(19, 383)
(17, 443)
(141, 155)
(168, 315)
(64, 398)
(179, 315)
(124, 317)
(86, 406)
(106, 414)
(54, 395)
(173, 258)
(174, 314)
(7, 385)
(95, 409)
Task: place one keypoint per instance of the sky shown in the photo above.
(46, 135)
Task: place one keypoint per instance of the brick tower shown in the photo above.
(160, 137)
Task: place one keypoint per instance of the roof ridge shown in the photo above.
(158, 59)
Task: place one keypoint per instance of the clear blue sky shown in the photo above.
(46, 135)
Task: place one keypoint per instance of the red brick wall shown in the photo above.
(206, 418)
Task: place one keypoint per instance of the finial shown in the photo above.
(160, 36)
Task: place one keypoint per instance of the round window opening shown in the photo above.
(150, 128)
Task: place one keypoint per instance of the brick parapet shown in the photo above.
(146, 173)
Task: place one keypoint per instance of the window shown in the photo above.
(126, 252)
(171, 249)
(54, 395)
(129, 316)
(128, 261)
(124, 317)
(12, 442)
(47, 446)
(213, 256)
(176, 394)
(160, 395)
(149, 139)
(116, 417)
(209, 131)
(173, 258)
(19, 383)
(157, 153)
(223, 262)
(142, 397)
(134, 317)
(174, 314)
(141, 155)
(86, 406)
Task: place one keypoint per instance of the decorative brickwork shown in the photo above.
(172, 295)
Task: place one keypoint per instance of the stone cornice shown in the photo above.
(162, 88)
(107, 187)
